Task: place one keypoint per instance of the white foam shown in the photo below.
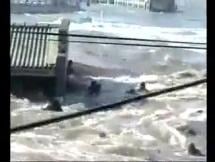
(27, 14)
(129, 79)
(55, 22)
(168, 133)
(137, 31)
(19, 148)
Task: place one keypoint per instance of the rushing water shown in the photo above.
(147, 130)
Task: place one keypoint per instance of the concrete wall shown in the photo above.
(162, 5)
(52, 6)
(130, 3)
(192, 5)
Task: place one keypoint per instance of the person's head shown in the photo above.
(143, 85)
(93, 83)
(94, 87)
(70, 63)
(70, 68)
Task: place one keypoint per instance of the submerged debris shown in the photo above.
(191, 132)
(187, 130)
(186, 74)
(102, 135)
(192, 150)
(54, 105)
(200, 111)
(131, 91)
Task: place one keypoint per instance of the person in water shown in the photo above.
(70, 68)
(141, 88)
(94, 88)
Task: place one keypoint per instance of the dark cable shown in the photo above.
(115, 38)
(134, 39)
(145, 45)
(131, 44)
(105, 107)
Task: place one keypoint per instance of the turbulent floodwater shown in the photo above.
(147, 130)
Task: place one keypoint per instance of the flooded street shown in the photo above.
(152, 129)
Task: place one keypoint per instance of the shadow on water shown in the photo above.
(34, 89)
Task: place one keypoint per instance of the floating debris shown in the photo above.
(54, 105)
(192, 150)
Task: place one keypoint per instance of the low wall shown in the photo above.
(23, 8)
(162, 5)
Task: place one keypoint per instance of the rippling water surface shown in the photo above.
(146, 130)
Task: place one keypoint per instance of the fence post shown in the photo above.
(62, 59)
